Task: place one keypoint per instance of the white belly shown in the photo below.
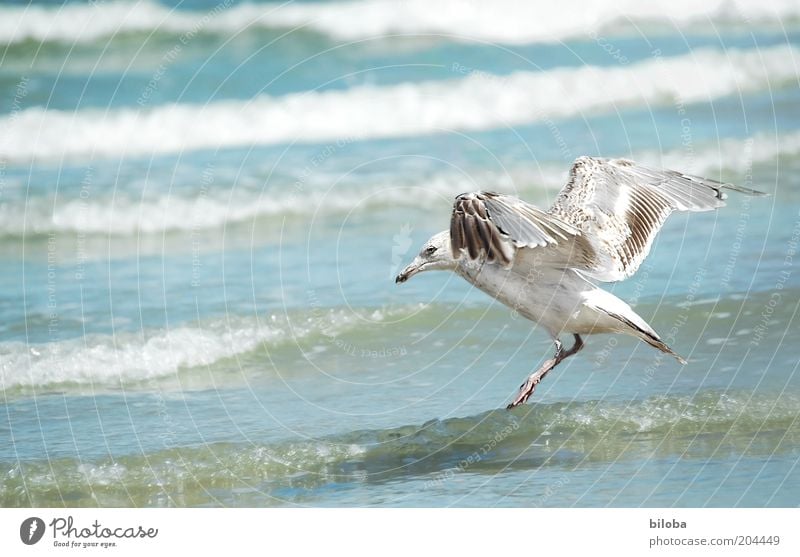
(560, 300)
(551, 297)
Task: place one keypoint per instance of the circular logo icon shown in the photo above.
(31, 530)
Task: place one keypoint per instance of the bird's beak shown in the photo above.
(408, 272)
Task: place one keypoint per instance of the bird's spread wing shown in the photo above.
(619, 206)
(603, 222)
(494, 226)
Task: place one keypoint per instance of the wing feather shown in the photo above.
(494, 226)
(603, 222)
(620, 206)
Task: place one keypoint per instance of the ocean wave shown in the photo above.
(475, 102)
(505, 21)
(128, 358)
(127, 215)
(728, 154)
(538, 436)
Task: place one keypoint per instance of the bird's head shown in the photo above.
(435, 255)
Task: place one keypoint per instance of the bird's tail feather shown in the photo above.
(644, 332)
(656, 342)
(744, 190)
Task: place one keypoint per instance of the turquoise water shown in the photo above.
(202, 211)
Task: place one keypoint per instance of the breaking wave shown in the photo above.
(505, 21)
(495, 442)
(127, 358)
(128, 214)
(475, 102)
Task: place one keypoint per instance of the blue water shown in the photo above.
(202, 212)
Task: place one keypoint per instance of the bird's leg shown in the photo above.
(527, 388)
(575, 348)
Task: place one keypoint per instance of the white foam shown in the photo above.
(128, 216)
(175, 213)
(736, 155)
(474, 102)
(107, 360)
(128, 357)
(509, 21)
(515, 21)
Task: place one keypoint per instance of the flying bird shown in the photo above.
(545, 264)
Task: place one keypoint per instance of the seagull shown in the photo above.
(545, 264)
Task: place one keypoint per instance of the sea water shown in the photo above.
(203, 207)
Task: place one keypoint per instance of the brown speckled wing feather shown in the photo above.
(620, 206)
(494, 226)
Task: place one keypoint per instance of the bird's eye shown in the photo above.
(430, 250)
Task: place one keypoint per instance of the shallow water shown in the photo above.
(197, 304)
